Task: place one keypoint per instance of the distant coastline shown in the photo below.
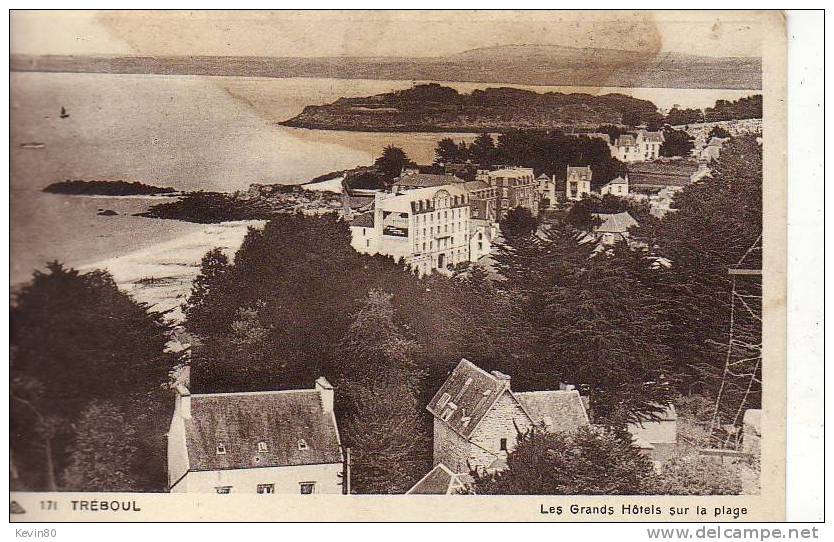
(511, 64)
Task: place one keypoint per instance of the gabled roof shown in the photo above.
(614, 223)
(617, 180)
(438, 481)
(239, 421)
(581, 171)
(557, 410)
(466, 396)
(625, 140)
(365, 220)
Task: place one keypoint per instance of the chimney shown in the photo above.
(325, 390)
(184, 401)
(502, 377)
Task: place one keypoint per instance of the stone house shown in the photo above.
(478, 417)
(255, 442)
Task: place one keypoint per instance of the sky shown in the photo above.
(375, 33)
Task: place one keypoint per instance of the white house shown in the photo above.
(255, 442)
(616, 187)
(478, 417)
(641, 147)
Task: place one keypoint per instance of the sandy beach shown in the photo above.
(161, 275)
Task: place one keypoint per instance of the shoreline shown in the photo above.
(161, 274)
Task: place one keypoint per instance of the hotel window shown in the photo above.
(262, 447)
(266, 488)
(223, 490)
(503, 445)
(308, 488)
(367, 243)
(221, 449)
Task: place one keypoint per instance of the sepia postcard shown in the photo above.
(397, 265)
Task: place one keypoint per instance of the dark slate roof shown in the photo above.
(662, 172)
(557, 410)
(466, 395)
(624, 140)
(239, 421)
(438, 481)
(365, 220)
(425, 180)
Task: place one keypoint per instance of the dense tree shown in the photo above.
(77, 338)
(519, 221)
(717, 131)
(102, 455)
(590, 461)
(379, 392)
(581, 212)
(392, 161)
(743, 108)
(552, 152)
(702, 240)
(482, 150)
(676, 143)
(594, 318)
(689, 473)
(304, 280)
(449, 152)
(680, 117)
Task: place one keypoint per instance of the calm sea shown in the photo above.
(189, 132)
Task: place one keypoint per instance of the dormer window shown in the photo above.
(262, 447)
(302, 444)
(221, 449)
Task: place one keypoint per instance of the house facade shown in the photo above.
(640, 147)
(578, 182)
(478, 418)
(255, 442)
(615, 187)
(427, 227)
(514, 187)
(547, 191)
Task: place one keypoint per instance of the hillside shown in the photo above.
(432, 107)
(510, 64)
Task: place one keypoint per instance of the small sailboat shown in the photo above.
(64, 113)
